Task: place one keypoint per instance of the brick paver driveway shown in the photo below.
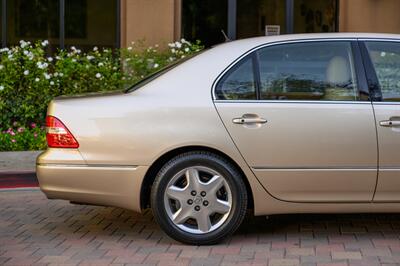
(34, 230)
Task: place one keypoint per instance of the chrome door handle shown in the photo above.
(249, 120)
(390, 123)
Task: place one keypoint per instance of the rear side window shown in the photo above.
(316, 70)
(238, 83)
(308, 71)
(385, 57)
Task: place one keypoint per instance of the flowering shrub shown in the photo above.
(19, 138)
(29, 79)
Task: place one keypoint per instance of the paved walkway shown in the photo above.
(36, 231)
(18, 160)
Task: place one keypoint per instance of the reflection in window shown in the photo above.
(386, 59)
(203, 20)
(314, 16)
(90, 23)
(254, 15)
(238, 83)
(32, 21)
(307, 71)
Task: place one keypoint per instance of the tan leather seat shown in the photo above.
(338, 76)
(338, 71)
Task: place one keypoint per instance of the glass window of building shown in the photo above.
(1, 25)
(91, 23)
(254, 15)
(314, 16)
(32, 21)
(204, 20)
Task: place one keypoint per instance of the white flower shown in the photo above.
(178, 45)
(45, 43)
(114, 68)
(100, 64)
(1, 67)
(50, 59)
(61, 74)
(58, 58)
(26, 72)
(184, 41)
(173, 51)
(187, 49)
(26, 52)
(172, 45)
(56, 74)
(383, 54)
(98, 75)
(90, 57)
(73, 60)
(73, 48)
(130, 48)
(23, 43)
(42, 65)
(156, 65)
(10, 56)
(46, 76)
(4, 50)
(37, 79)
(1, 87)
(95, 48)
(51, 83)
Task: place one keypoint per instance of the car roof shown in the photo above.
(255, 41)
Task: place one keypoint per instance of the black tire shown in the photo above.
(217, 163)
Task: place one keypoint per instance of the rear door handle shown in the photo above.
(390, 123)
(245, 119)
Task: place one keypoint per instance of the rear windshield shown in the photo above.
(158, 73)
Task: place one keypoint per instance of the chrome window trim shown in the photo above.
(214, 98)
(386, 103)
(293, 101)
(378, 39)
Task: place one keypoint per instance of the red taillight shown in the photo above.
(58, 135)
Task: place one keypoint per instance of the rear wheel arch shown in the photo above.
(163, 159)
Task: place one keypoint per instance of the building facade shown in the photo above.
(115, 23)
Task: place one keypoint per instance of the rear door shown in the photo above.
(298, 116)
(382, 60)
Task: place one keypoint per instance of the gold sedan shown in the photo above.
(284, 124)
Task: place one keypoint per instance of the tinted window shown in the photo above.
(307, 71)
(90, 23)
(385, 57)
(33, 21)
(238, 83)
(203, 20)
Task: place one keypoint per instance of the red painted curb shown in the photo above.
(18, 179)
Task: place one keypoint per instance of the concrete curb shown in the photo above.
(18, 161)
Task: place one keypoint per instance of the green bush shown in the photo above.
(30, 79)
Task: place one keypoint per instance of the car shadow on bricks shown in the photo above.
(28, 218)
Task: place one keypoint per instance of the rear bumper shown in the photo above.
(75, 180)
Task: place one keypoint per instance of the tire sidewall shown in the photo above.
(231, 176)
